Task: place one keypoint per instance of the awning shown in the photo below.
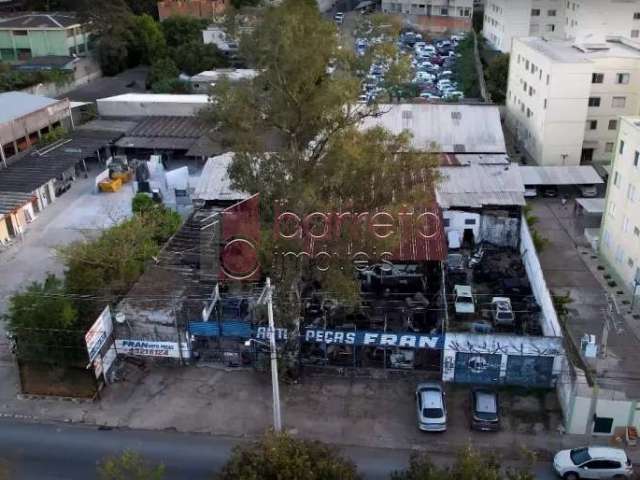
(591, 205)
(11, 201)
(577, 175)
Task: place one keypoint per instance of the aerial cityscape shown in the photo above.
(319, 239)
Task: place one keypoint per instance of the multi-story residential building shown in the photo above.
(41, 34)
(564, 99)
(505, 20)
(579, 20)
(434, 15)
(592, 20)
(620, 235)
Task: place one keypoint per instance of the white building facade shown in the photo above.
(564, 99)
(620, 244)
(578, 20)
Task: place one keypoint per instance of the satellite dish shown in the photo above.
(120, 317)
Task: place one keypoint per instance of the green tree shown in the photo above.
(279, 456)
(470, 465)
(129, 466)
(142, 203)
(180, 29)
(325, 159)
(172, 85)
(162, 70)
(465, 70)
(195, 57)
(147, 43)
(112, 51)
(42, 319)
(497, 73)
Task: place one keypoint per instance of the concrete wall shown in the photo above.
(138, 106)
(505, 20)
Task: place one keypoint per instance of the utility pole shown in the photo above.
(277, 418)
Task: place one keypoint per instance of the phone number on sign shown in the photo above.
(151, 352)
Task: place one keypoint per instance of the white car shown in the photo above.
(594, 463)
(432, 409)
(464, 302)
(339, 18)
(501, 311)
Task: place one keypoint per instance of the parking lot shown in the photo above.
(433, 60)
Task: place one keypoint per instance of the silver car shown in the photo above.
(594, 463)
(432, 408)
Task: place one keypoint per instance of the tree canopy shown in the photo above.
(296, 132)
(497, 73)
(180, 29)
(282, 457)
(129, 466)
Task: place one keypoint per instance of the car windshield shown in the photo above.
(504, 315)
(432, 412)
(464, 300)
(579, 455)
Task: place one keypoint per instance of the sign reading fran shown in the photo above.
(151, 348)
(374, 339)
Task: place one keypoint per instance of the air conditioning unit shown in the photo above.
(588, 346)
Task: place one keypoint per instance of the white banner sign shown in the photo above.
(98, 334)
(150, 348)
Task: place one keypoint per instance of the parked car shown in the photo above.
(398, 278)
(485, 410)
(464, 302)
(550, 191)
(530, 192)
(339, 17)
(501, 311)
(589, 190)
(431, 406)
(593, 462)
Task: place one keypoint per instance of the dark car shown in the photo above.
(485, 410)
(550, 191)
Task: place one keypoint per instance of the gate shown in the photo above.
(529, 371)
(481, 368)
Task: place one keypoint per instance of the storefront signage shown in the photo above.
(374, 339)
(151, 348)
(262, 333)
(98, 334)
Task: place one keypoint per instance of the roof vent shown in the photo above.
(459, 148)
(456, 115)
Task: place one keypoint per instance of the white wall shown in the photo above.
(139, 106)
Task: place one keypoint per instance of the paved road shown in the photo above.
(71, 452)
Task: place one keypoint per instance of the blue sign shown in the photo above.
(374, 339)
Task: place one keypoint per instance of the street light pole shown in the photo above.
(277, 418)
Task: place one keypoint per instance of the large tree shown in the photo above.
(147, 43)
(296, 133)
(129, 466)
(180, 29)
(282, 457)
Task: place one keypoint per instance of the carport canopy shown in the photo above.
(576, 175)
(591, 205)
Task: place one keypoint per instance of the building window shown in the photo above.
(631, 192)
(613, 124)
(636, 16)
(622, 78)
(550, 27)
(594, 101)
(608, 147)
(444, 11)
(597, 78)
(636, 231)
(616, 179)
(635, 158)
(545, 103)
(630, 262)
(618, 102)
(635, 33)
(593, 124)
(551, 13)
(20, 33)
(621, 148)
(625, 224)
(535, 12)
(612, 210)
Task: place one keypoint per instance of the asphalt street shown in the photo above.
(72, 452)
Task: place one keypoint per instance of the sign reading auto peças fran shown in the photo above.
(374, 339)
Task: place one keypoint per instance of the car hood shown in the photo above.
(563, 459)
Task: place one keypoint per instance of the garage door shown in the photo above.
(480, 368)
(529, 371)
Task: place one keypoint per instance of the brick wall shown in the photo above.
(191, 8)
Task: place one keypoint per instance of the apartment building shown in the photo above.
(620, 234)
(592, 20)
(578, 20)
(505, 20)
(434, 15)
(564, 99)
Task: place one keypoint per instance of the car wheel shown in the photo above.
(571, 476)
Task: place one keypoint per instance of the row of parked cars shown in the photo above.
(573, 464)
(434, 64)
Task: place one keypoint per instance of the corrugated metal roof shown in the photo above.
(9, 201)
(175, 127)
(163, 143)
(592, 205)
(575, 175)
(447, 128)
(32, 21)
(109, 125)
(214, 181)
(477, 185)
(18, 104)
